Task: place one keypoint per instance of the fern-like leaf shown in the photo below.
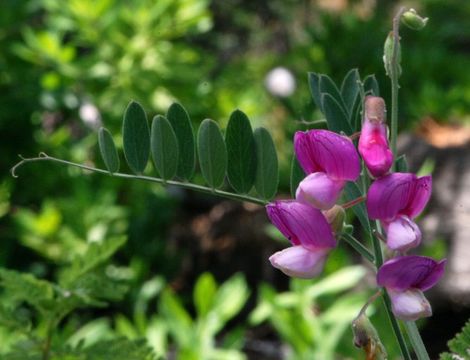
(459, 345)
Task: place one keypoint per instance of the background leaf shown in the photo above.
(212, 153)
(181, 123)
(401, 164)
(164, 147)
(204, 292)
(136, 137)
(314, 84)
(371, 85)
(267, 173)
(241, 167)
(328, 86)
(108, 150)
(336, 118)
(350, 89)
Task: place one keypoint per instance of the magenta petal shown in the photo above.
(301, 224)
(374, 149)
(410, 305)
(403, 234)
(328, 152)
(388, 195)
(300, 262)
(419, 197)
(407, 272)
(319, 190)
(336, 154)
(305, 153)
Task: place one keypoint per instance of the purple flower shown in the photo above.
(330, 160)
(405, 279)
(396, 199)
(373, 142)
(308, 231)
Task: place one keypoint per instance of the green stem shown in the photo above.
(396, 327)
(361, 249)
(225, 194)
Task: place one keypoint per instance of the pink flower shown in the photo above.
(373, 142)
(330, 160)
(308, 231)
(396, 199)
(405, 279)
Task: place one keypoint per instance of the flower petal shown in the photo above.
(319, 190)
(403, 234)
(302, 224)
(419, 197)
(388, 195)
(410, 305)
(407, 272)
(299, 262)
(328, 152)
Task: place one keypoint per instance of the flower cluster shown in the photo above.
(311, 220)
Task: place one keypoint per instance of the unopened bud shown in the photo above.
(389, 62)
(335, 217)
(412, 19)
(375, 109)
(366, 338)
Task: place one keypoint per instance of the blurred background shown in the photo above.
(69, 67)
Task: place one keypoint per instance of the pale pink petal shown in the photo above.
(419, 197)
(387, 196)
(408, 272)
(403, 234)
(319, 190)
(410, 305)
(301, 224)
(297, 261)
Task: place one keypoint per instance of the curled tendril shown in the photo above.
(42, 155)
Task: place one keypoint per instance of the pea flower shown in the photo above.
(373, 142)
(308, 231)
(396, 199)
(405, 279)
(330, 160)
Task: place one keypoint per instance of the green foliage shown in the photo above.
(296, 175)
(108, 150)
(212, 153)
(164, 146)
(317, 333)
(241, 154)
(459, 346)
(267, 173)
(136, 137)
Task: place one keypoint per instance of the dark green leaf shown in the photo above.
(327, 86)
(296, 175)
(353, 192)
(356, 118)
(350, 91)
(401, 164)
(314, 84)
(136, 137)
(267, 174)
(371, 85)
(181, 123)
(164, 146)
(336, 118)
(212, 153)
(108, 150)
(241, 167)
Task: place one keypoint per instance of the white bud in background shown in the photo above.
(90, 115)
(280, 82)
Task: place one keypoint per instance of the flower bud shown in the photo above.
(388, 56)
(411, 19)
(373, 142)
(319, 190)
(366, 337)
(335, 217)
